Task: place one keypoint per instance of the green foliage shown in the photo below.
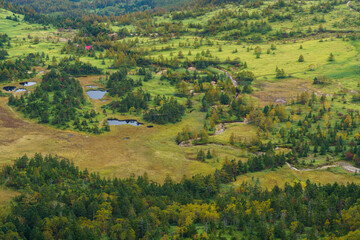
(59, 200)
(170, 111)
(77, 68)
(4, 40)
(321, 80)
(71, 8)
(245, 76)
(257, 51)
(301, 58)
(137, 100)
(280, 73)
(20, 68)
(3, 54)
(118, 84)
(59, 101)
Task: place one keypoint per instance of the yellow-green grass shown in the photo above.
(268, 179)
(6, 195)
(240, 130)
(302, 21)
(286, 56)
(343, 71)
(333, 19)
(154, 86)
(22, 29)
(18, 29)
(115, 28)
(157, 87)
(269, 91)
(319, 160)
(151, 150)
(51, 40)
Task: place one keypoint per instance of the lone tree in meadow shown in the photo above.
(36, 40)
(280, 73)
(331, 58)
(301, 58)
(257, 51)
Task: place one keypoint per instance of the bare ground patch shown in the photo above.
(281, 91)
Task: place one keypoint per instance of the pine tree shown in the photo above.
(257, 51)
(208, 155)
(301, 58)
(189, 103)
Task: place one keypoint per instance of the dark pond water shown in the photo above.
(96, 94)
(20, 90)
(123, 122)
(9, 88)
(27, 84)
(150, 126)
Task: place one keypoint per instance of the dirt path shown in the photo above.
(346, 166)
(219, 129)
(231, 77)
(348, 5)
(102, 122)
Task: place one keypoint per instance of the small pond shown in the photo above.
(96, 94)
(91, 86)
(20, 90)
(27, 84)
(123, 122)
(9, 88)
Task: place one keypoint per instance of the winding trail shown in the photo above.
(345, 165)
(220, 128)
(229, 75)
(348, 5)
(348, 167)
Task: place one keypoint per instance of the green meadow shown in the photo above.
(154, 150)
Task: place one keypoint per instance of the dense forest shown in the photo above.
(60, 201)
